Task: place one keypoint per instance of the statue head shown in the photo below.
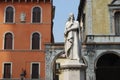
(71, 17)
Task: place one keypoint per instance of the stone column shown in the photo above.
(73, 70)
(90, 72)
(89, 17)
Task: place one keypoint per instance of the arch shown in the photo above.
(9, 14)
(8, 32)
(37, 37)
(55, 57)
(108, 66)
(51, 56)
(52, 53)
(8, 40)
(36, 14)
(106, 52)
(12, 39)
(55, 66)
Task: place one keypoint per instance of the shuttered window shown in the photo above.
(9, 15)
(8, 41)
(35, 41)
(7, 70)
(35, 71)
(36, 15)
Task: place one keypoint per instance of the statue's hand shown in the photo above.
(65, 34)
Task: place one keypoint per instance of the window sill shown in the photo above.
(36, 23)
(9, 23)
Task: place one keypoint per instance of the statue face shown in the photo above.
(71, 16)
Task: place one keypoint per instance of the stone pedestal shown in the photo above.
(73, 70)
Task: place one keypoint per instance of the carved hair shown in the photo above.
(71, 15)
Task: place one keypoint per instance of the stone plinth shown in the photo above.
(73, 70)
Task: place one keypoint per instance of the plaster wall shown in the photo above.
(100, 17)
(22, 56)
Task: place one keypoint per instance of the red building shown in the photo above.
(25, 26)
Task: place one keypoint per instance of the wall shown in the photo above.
(101, 16)
(22, 56)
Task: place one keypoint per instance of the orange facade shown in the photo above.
(22, 55)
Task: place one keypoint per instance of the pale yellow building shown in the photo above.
(100, 31)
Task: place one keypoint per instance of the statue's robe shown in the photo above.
(72, 40)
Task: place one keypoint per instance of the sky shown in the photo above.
(62, 10)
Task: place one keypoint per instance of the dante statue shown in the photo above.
(72, 38)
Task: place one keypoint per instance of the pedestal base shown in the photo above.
(73, 70)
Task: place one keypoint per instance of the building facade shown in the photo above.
(25, 26)
(100, 28)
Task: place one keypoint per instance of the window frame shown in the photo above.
(39, 41)
(32, 15)
(12, 41)
(13, 15)
(113, 8)
(38, 70)
(116, 27)
(3, 67)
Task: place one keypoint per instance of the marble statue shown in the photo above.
(22, 16)
(72, 38)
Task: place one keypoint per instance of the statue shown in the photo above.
(22, 16)
(72, 38)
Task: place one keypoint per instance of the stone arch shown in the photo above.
(51, 56)
(107, 65)
(55, 57)
(103, 53)
(54, 63)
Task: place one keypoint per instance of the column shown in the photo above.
(90, 72)
(89, 17)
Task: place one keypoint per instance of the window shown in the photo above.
(117, 23)
(8, 41)
(35, 71)
(35, 41)
(114, 10)
(9, 13)
(36, 15)
(7, 70)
